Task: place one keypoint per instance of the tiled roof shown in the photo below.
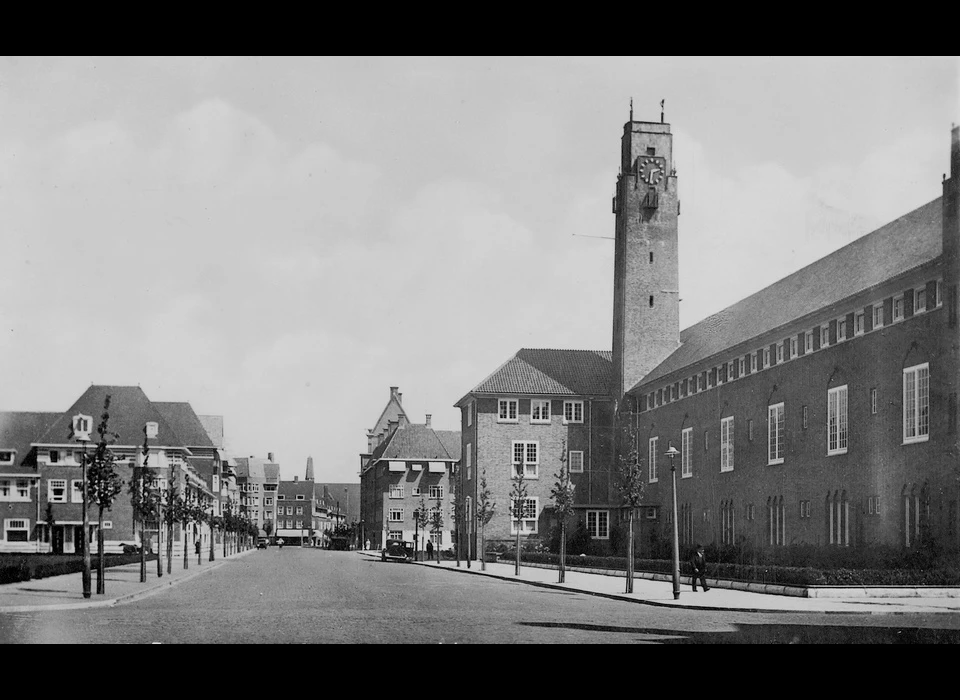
(414, 442)
(20, 428)
(271, 472)
(553, 372)
(130, 411)
(452, 442)
(293, 488)
(185, 423)
(912, 240)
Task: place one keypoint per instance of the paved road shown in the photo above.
(303, 595)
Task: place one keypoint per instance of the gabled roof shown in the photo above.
(901, 245)
(130, 410)
(185, 423)
(451, 440)
(294, 488)
(271, 472)
(551, 372)
(391, 412)
(418, 442)
(20, 428)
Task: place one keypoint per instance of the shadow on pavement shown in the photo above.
(777, 634)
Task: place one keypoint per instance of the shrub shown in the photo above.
(14, 573)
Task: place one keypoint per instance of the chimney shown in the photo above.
(269, 456)
(403, 420)
(428, 420)
(393, 391)
(399, 397)
(954, 151)
(295, 478)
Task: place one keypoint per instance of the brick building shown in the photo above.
(820, 410)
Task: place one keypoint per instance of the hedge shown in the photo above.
(944, 575)
(36, 566)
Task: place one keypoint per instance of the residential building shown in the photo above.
(257, 481)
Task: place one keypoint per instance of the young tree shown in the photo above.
(518, 503)
(104, 484)
(172, 514)
(420, 518)
(199, 515)
(51, 523)
(486, 507)
(455, 513)
(631, 489)
(562, 495)
(436, 526)
(145, 501)
(268, 527)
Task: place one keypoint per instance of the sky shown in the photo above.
(281, 240)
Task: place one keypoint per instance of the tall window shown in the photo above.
(824, 336)
(539, 411)
(726, 444)
(873, 402)
(526, 513)
(858, 323)
(878, 315)
(686, 455)
(898, 308)
(837, 421)
(507, 412)
(775, 421)
(766, 357)
(573, 411)
(916, 403)
(598, 524)
(526, 456)
(794, 347)
(652, 460)
(808, 341)
(396, 491)
(842, 329)
(779, 353)
(920, 300)
(469, 460)
(436, 492)
(753, 362)
(575, 460)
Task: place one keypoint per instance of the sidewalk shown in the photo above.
(123, 585)
(660, 593)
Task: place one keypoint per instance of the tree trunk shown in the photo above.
(483, 547)
(563, 552)
(630, 553)
(186, 547)
(516, 571)
(159, 544)
(223, 534)
(143, 550)
(101, 560)
(170, 548)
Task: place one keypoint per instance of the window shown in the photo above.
(775, 421)
(23, 489)
(281, 497)
(396, 491)
(299, 524)
(726, 444)
(753, 362)
(652, 460)
(750, 429)
(14, 489)
(686, 453)
(299, 510)
(575, 460)
(16, 530)
(598, 524)
(5, 489)
(396, 515)
(268, 501)
(841, 329)
(301, 497)
(6, 457)
(837, 421)
(437, 539)
(808, 341)
(395, 535)
(526, 456)
(470, 413)
(750, 511)
(507, 411)
(779, 353)
(803, 420)
(766, 357)
(920, 300)
(824, 335)
(289, 510)
(858, 323)
(699, 386)
(539, 411)
(730, 371)
(415, 491)
(76, 490)
(706, 440)
(898, 308)
(794, 347)
(469, 462)
(719, 370)
(54, 456)
(573, 411)
(916, 403)
(743, 366)
(436, 492)
(804, 509)
(526, 513)
(57, 490)
(874, 505)
(878, 315)
(873, 402)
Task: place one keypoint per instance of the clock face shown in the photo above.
(651, 170)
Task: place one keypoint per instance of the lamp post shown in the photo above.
(672, 452)
(81, 432)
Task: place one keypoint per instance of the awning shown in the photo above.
(398, 467)
(417, 467)
(437, 467)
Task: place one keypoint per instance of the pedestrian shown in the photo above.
(197, 547)
(699, 564)
(366, 545)
(429, 549)
(280, 543)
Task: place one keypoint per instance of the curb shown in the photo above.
(120, 600)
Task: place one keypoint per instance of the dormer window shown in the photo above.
(54, 456)
(82, 425)
(151, 429)
(301, 497)
(6, 456)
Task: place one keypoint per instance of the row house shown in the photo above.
(412, 467)
(257, 482)
(41, 480)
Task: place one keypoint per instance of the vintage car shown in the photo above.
(397, 551)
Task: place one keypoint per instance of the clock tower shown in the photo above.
(646, 304)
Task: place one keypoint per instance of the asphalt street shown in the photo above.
(315, 596)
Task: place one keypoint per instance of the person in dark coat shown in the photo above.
(429, 549)
(699, 565)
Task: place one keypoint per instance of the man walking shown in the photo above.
(699, 564)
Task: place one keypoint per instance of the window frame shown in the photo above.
(842, 418)
(916, 396)
(574, 404)
(524, 520)
(395, 515)
(594, 528)
(52, 485)
(652, 447)
(531, 469)
(776, 432)
(508, 403)
(859, 326)
(878, 315)
(898, 300)
(539, 404)
(435, 493)
(686, 453)
(570, 461)
(727, 444)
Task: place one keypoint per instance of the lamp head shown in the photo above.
(672, 452)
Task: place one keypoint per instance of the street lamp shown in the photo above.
(672, 453)
(81, 433)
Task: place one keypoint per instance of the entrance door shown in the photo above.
(79, 541)
(57, 539)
